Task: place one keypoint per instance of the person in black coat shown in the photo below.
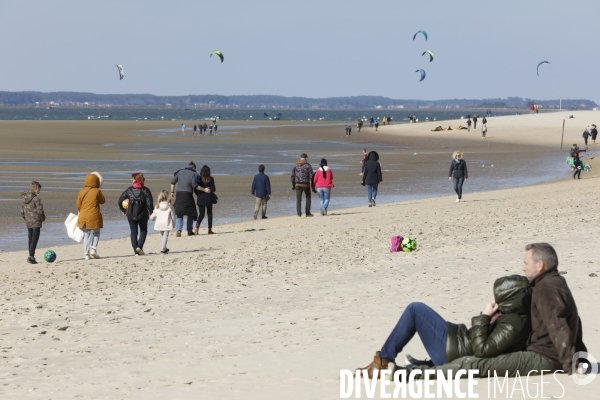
(372, 176)
(205, 192)
(139, 207)
(458, 173)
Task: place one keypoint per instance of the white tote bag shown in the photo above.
(72, 229)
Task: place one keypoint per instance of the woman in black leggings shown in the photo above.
(458, 173)
(205, 191)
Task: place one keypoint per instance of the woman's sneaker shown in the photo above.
(31, 260)
(95, 254)
(87, 256)
(139, 251)
(165, 251)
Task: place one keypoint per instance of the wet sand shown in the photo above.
(59, 154)
(275, 308)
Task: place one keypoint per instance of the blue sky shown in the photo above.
(309, 48)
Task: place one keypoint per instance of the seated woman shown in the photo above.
(502, 327)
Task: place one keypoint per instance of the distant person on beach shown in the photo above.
(483, 130)
(216, 127)
(469, 125)
(575, 149)
(138, 211)
(206, 198)
(183, 129)
(376, 125)
(347, 130)
(372, 176)
(594, 134)
(371, 122)
(502, 327)
(210, 130)
(323, 182)
(556, 330)
(186, 180)
(164, 217)
(586, 135)
(458, 173)
(89, 218)
(484, 121)
(475, 122)
(302, 175)
(261, 189)
(577, 164)
(363, 161)
(205, 128)
(194, 130)
(359, 124)
(32, 211)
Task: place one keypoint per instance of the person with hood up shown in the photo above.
(458, 172)
(372, 177)
(164, 215)
(206, 197)
(138, 212)
(90, 220)
(186, 180)
(502, 327)
(323, 182)
(302, 175)
(32, 211)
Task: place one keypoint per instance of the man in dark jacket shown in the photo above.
(556, 335)
(302, 180)
(187, 180)
(261, 188)
(372, 177)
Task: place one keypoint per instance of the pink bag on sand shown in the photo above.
(396, 244)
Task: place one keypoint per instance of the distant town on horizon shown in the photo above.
(79, 99)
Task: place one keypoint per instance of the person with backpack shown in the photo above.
(164, 215)
(458, 172)
(186, 180)
(323, 182)
(89, 219)
(372, 176)
(32, 211)
(206, 197)
(137, 211)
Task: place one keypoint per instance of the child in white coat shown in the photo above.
(164, 215)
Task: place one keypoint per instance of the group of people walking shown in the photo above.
(193, 195)
(201, 129)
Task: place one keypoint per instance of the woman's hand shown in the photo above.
(449, 178)
(206, 190)
(490, 309)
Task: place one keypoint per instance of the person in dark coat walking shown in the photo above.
(186, 180)
(32, 211)
(372, 176)
(594, 134)
(261, 189)
(139, 209)
(475, 122)
(586, 135)
(458, 173)
(206, 198)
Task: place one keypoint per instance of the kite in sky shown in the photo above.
(422, 71)
(538, 67)
(121, 73)
(218, 53)
(430, 55)
(422, 33)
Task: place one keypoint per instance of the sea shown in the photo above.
(237, 114)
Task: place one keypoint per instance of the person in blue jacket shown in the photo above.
(261, 189)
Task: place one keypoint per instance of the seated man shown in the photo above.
(556, 328)
(502, 327)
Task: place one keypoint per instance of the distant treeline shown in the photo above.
(76, 99)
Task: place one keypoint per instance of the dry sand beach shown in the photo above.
(274, 309)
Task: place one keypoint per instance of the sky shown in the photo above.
(308, 48)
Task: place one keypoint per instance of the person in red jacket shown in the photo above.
(323, 182)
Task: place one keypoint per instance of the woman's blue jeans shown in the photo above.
(372, 192)
(324, 194)
(431, 327)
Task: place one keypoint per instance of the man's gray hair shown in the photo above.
(544, 252)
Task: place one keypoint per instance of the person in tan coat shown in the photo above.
(90, 217)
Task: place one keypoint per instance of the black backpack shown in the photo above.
(137, 210)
